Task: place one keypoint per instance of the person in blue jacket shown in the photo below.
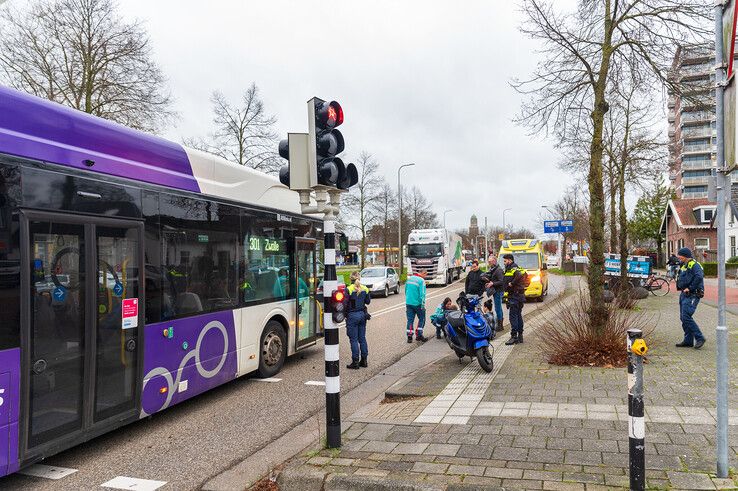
(690, 283)
(358, 299)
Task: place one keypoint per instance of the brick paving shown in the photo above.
(529, 425)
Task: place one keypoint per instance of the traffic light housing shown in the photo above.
(313, 157)
(338, 306)
(328, 142)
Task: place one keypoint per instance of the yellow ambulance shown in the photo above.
(528, 255)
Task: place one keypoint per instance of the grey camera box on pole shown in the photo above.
(303, 176)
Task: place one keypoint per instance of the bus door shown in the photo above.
(306, 278)
(81, 328)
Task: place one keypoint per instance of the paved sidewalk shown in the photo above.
(530, 425)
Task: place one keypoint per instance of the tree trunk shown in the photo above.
(613, 213)
(598, 313)
(623, 233)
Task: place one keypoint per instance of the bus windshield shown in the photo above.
(424, 250)
(527, 260)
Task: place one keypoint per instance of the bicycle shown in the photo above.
(657, 285)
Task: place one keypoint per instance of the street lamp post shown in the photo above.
(399, 219)
(559, 238)
(444, 217)
(504, 228)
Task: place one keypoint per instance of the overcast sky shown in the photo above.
(419, 81)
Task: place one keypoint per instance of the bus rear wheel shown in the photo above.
(273, 350)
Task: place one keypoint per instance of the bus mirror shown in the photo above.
(544, 266)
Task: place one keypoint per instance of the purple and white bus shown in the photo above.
(134, 274)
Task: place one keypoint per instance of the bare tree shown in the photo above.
(419, 209)
(385, 209)
(360, 203)
(635, 151)
(570, 86)
(243, 134)
(81, 53)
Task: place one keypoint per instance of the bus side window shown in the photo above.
(199, 256)
(10, 266)
(268, 272)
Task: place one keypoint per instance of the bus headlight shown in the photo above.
(535, 278)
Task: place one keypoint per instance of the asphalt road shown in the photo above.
(193, 441)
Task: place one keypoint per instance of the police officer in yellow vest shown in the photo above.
(514, 284)
(692, 286)
(358, 299)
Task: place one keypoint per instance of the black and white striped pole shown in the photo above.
(332, 380)
(636, 422)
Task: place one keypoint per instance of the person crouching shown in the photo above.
(358, 299)
(438, 318)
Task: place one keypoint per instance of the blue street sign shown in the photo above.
(60, 293)
(118, 290)
(551, 226)
(567, 226)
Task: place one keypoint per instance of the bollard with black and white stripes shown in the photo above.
(636, 422)
(332, 380)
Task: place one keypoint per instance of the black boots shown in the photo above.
(354, 365)
(409, 339)
(499, 327)
(515, 338)
(362, 362)
(421, 339)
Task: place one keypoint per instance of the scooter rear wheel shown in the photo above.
(485, 359)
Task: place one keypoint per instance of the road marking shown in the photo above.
(270, 379)
(47, 471)
(401, 305)
(315, 382)
(122, 482)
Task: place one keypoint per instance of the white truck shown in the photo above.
(437, 252)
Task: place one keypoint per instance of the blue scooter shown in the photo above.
(468, 333)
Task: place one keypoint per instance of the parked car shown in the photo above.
(381, 280)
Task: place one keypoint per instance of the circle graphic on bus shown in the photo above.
(173, 383)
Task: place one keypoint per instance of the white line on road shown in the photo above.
(122, 482)
(315, 382)
(47, 471)
(270, 379)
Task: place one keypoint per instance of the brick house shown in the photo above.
(689, 223)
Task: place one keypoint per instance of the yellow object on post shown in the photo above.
(639, 347)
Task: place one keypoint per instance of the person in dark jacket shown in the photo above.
(358, 299)
(475, 280)
(672, 266)
(495, 288)
(515, 288)
(692, 286)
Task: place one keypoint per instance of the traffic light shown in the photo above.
(328, 142)
(313, 157)
(343, 243)
(338, 306)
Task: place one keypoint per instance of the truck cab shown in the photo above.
(437, 253)
(528, 255)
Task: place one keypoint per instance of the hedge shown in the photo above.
(710, 268)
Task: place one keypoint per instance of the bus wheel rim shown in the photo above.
(272, 349)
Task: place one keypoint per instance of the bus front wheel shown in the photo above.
(273, 350)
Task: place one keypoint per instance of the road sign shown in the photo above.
(729, 25)
(501, 237)
(552, 226)
(558, 226)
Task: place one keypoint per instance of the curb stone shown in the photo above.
(297, 479)
(339, 482)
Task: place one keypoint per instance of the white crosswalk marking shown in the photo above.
(47, 471)
(270, 379)
(122, 482)
(315, 382)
